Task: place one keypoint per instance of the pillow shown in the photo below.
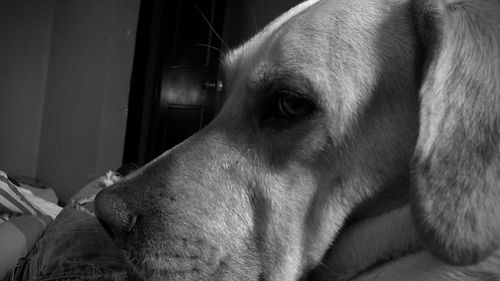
(21, 224)
(13, 201)
(47, 207)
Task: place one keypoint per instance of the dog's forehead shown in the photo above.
(308, 35)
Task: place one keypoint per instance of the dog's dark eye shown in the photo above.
(293, 107)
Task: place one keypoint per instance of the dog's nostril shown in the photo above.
(114, 214)
(132, 222)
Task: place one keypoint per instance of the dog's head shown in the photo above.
(326, 108)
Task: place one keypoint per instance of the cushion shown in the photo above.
(13, 201)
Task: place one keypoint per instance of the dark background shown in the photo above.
(88, 85)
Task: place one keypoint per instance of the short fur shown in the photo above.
(405, 110)
(456, 187)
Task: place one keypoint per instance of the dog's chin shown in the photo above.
(179, 259)
(146, 274)
(157, 271)
(175, 264)
(172, 268)
(185, 269)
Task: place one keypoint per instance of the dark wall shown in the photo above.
(25, 38)
(87, 91)
(64, 85)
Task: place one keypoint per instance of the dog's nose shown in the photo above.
(113, 213)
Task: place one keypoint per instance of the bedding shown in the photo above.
(17, 199)
(35, 186)
(18, 236)
(23, 219)
(47, 207)
(75, 246)
(13, 201)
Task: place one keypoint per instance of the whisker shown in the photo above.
(211, 27)
(212, 47)
(252, 12)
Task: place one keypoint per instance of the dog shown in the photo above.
(359, 140)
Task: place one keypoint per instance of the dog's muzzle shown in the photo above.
(158, 249)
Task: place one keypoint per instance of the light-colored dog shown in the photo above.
(339, 115)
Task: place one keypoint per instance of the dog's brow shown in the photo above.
(283, 78)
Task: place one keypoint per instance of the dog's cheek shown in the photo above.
(309, 207)
(325, 216)
(295, 222)
(276, 223)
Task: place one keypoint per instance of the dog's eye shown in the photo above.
(293, 107)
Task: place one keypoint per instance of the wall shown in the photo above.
(25, 32)
(64, 78)
(87, 92)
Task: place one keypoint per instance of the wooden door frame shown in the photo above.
(155, 18)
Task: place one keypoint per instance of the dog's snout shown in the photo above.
(114, 214)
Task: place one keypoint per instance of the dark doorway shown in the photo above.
(174, 87)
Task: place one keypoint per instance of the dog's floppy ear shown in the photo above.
(456, 174)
